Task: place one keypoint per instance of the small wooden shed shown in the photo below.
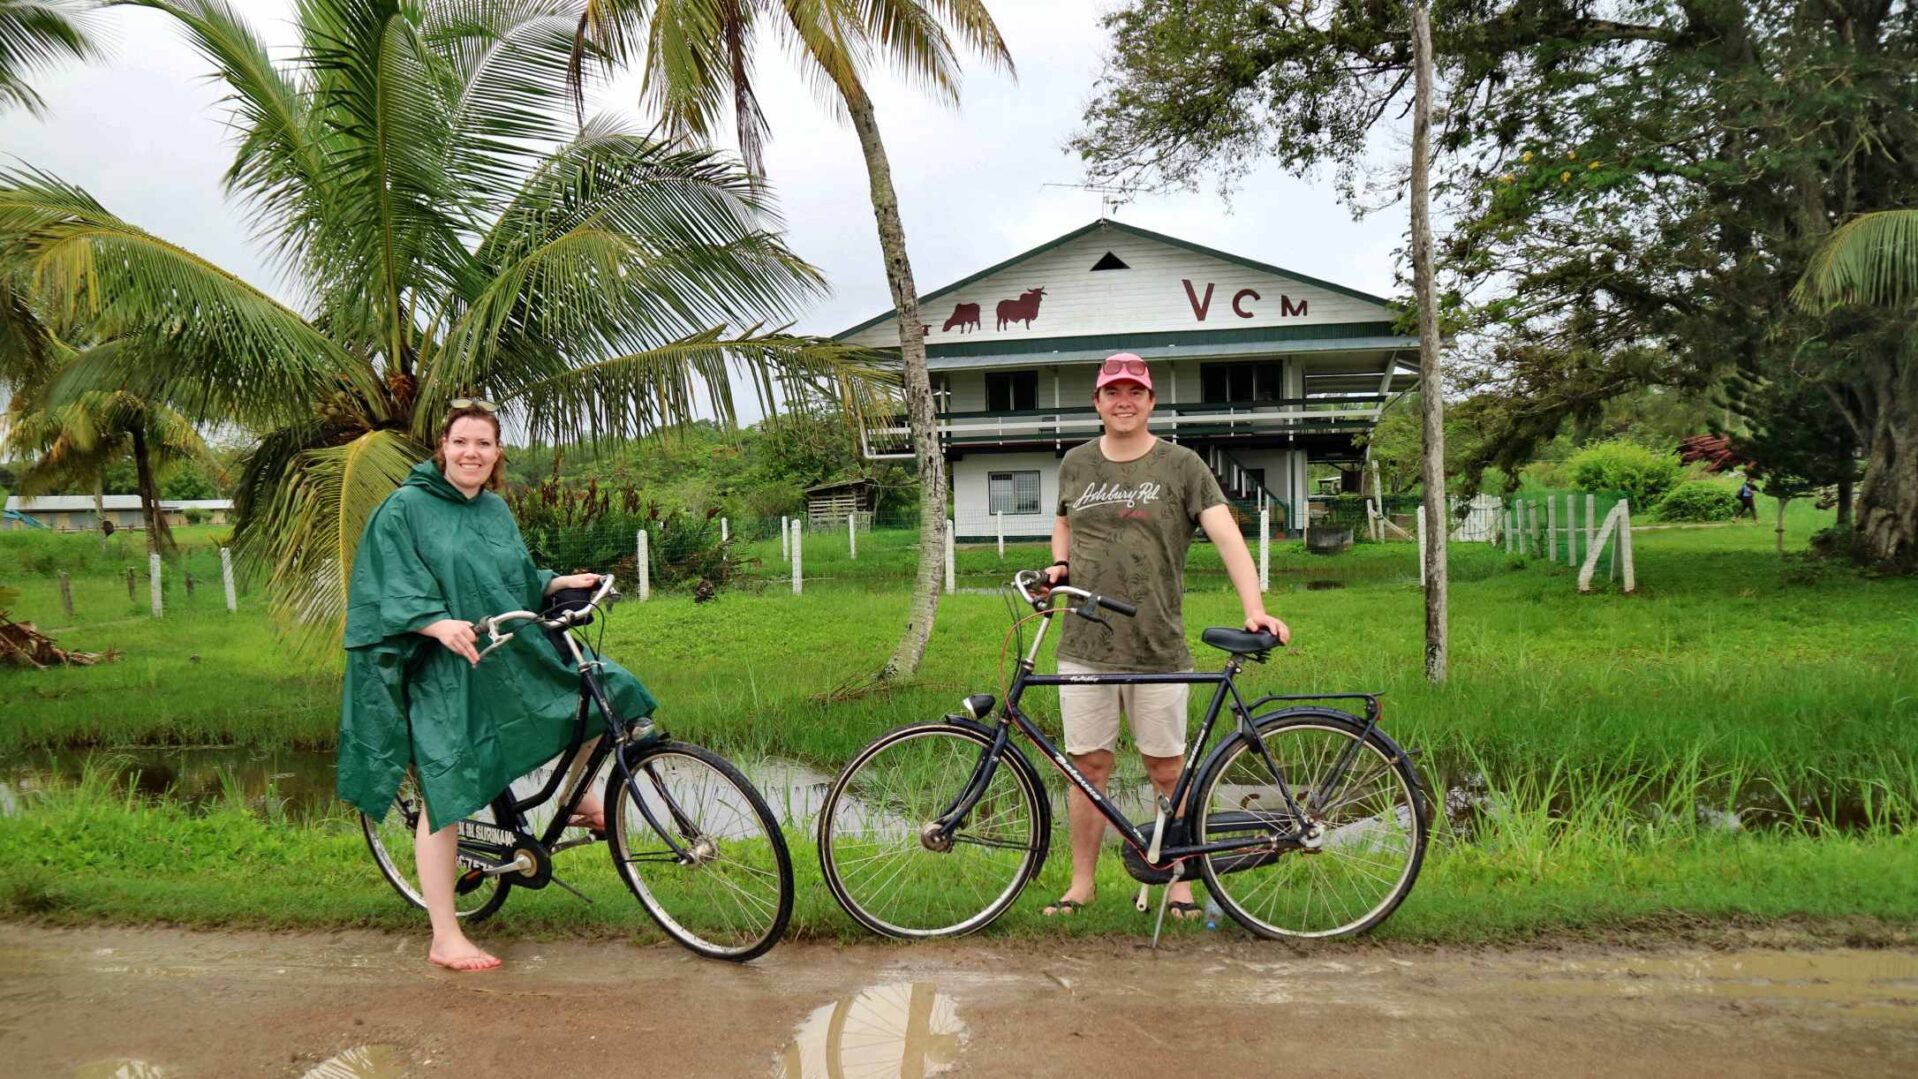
(829, 504)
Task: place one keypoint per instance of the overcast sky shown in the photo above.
(144, 133)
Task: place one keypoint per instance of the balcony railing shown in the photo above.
(1185, 420)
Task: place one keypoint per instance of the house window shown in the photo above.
(1220, 383)
(1012, 391)
(1012, 492)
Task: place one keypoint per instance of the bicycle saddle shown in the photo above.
(1239, 642)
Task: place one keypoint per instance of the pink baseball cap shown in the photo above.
(1123, 367)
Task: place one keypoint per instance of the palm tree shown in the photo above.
(1873, 260)
(696, 58)
(453, 232)
(36, 34)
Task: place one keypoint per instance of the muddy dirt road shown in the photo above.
(175, 1003)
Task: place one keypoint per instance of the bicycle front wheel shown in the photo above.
(392, 840)
(727, 891)
(893, 877)
(1366, 828)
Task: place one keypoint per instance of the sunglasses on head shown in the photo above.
(473, 402)
(1128, 367)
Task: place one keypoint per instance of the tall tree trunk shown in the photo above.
(100, 510)
(1887, 507)
(924, 605)
(1844, 503)
(159, 536)
(1780, 530)
(1431, 396)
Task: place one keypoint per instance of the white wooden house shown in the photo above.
(1257, 368)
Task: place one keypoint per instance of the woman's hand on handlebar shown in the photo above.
(573, 580)
(457, 636)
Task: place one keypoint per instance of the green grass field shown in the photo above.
(1600, 725)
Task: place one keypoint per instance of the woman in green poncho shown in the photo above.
(439, 554)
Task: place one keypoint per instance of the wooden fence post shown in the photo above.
(66, 593)
(798, 573)
(725, 531)
(999, 530)
(1421, 517)
(1625, 543)
(189, 584)
(785, 540)
(129, 584)
(1551, 529)
(1591, 522)
(952, 570)
(153, 578)
(643, 563)
(1265, 550)
(226, 578)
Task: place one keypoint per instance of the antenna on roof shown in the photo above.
(1111, 196)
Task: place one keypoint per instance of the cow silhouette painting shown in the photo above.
(1024, 309)
(964, 316)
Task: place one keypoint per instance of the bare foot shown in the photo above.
(590, 814)
(462, 956)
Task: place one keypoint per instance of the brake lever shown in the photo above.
(1089, 611)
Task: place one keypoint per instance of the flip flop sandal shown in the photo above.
(1060, 908)
(1181, 910)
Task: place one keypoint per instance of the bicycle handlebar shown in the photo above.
(1025, 578)
(565, 620)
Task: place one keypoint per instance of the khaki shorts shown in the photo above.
(1090, 715)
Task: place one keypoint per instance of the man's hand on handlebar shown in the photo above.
(457, 636)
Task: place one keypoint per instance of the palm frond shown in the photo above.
(230, 350)
(1871, 259)
(305, 532)
(635, 394)
(279, 164)
(36, 35)
(507, 60)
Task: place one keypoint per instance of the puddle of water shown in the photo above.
(300, 784)
(900, 1029)
(361, 1062)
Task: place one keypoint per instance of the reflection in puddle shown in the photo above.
(119, 1069)
(904, 1029)
(361, 1062)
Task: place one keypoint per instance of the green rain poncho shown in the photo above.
(428, 553)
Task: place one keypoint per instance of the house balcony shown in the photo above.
(1228, 421)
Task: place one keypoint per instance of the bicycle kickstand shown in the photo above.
(1165, 897)
(575, 891)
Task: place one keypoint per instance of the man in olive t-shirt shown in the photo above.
(1128, 505)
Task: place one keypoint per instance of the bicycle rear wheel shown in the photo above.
(731, 894)
(1372, 820)
(894, 881)
(392, 841)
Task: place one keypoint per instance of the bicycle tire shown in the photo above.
(1374, 840)
(733, 901)
(391, 840)
(869, 833)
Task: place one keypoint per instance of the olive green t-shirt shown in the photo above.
(1131, 524)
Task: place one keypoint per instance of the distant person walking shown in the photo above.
(1747, 500)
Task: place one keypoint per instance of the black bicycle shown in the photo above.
(689, 834)
(1304, 821)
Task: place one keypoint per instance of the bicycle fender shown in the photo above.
(1014, 758)
(1214, 759)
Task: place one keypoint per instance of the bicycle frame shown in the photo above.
(1011, 717)
(593, 696)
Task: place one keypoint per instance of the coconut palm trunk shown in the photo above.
(159, 535)
(924, 603)
(1437, 519)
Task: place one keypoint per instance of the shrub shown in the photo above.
(1644, 475)
(1699, 501)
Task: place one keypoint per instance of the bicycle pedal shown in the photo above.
(470, 881)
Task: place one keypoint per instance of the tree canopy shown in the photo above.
(1635, 187)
